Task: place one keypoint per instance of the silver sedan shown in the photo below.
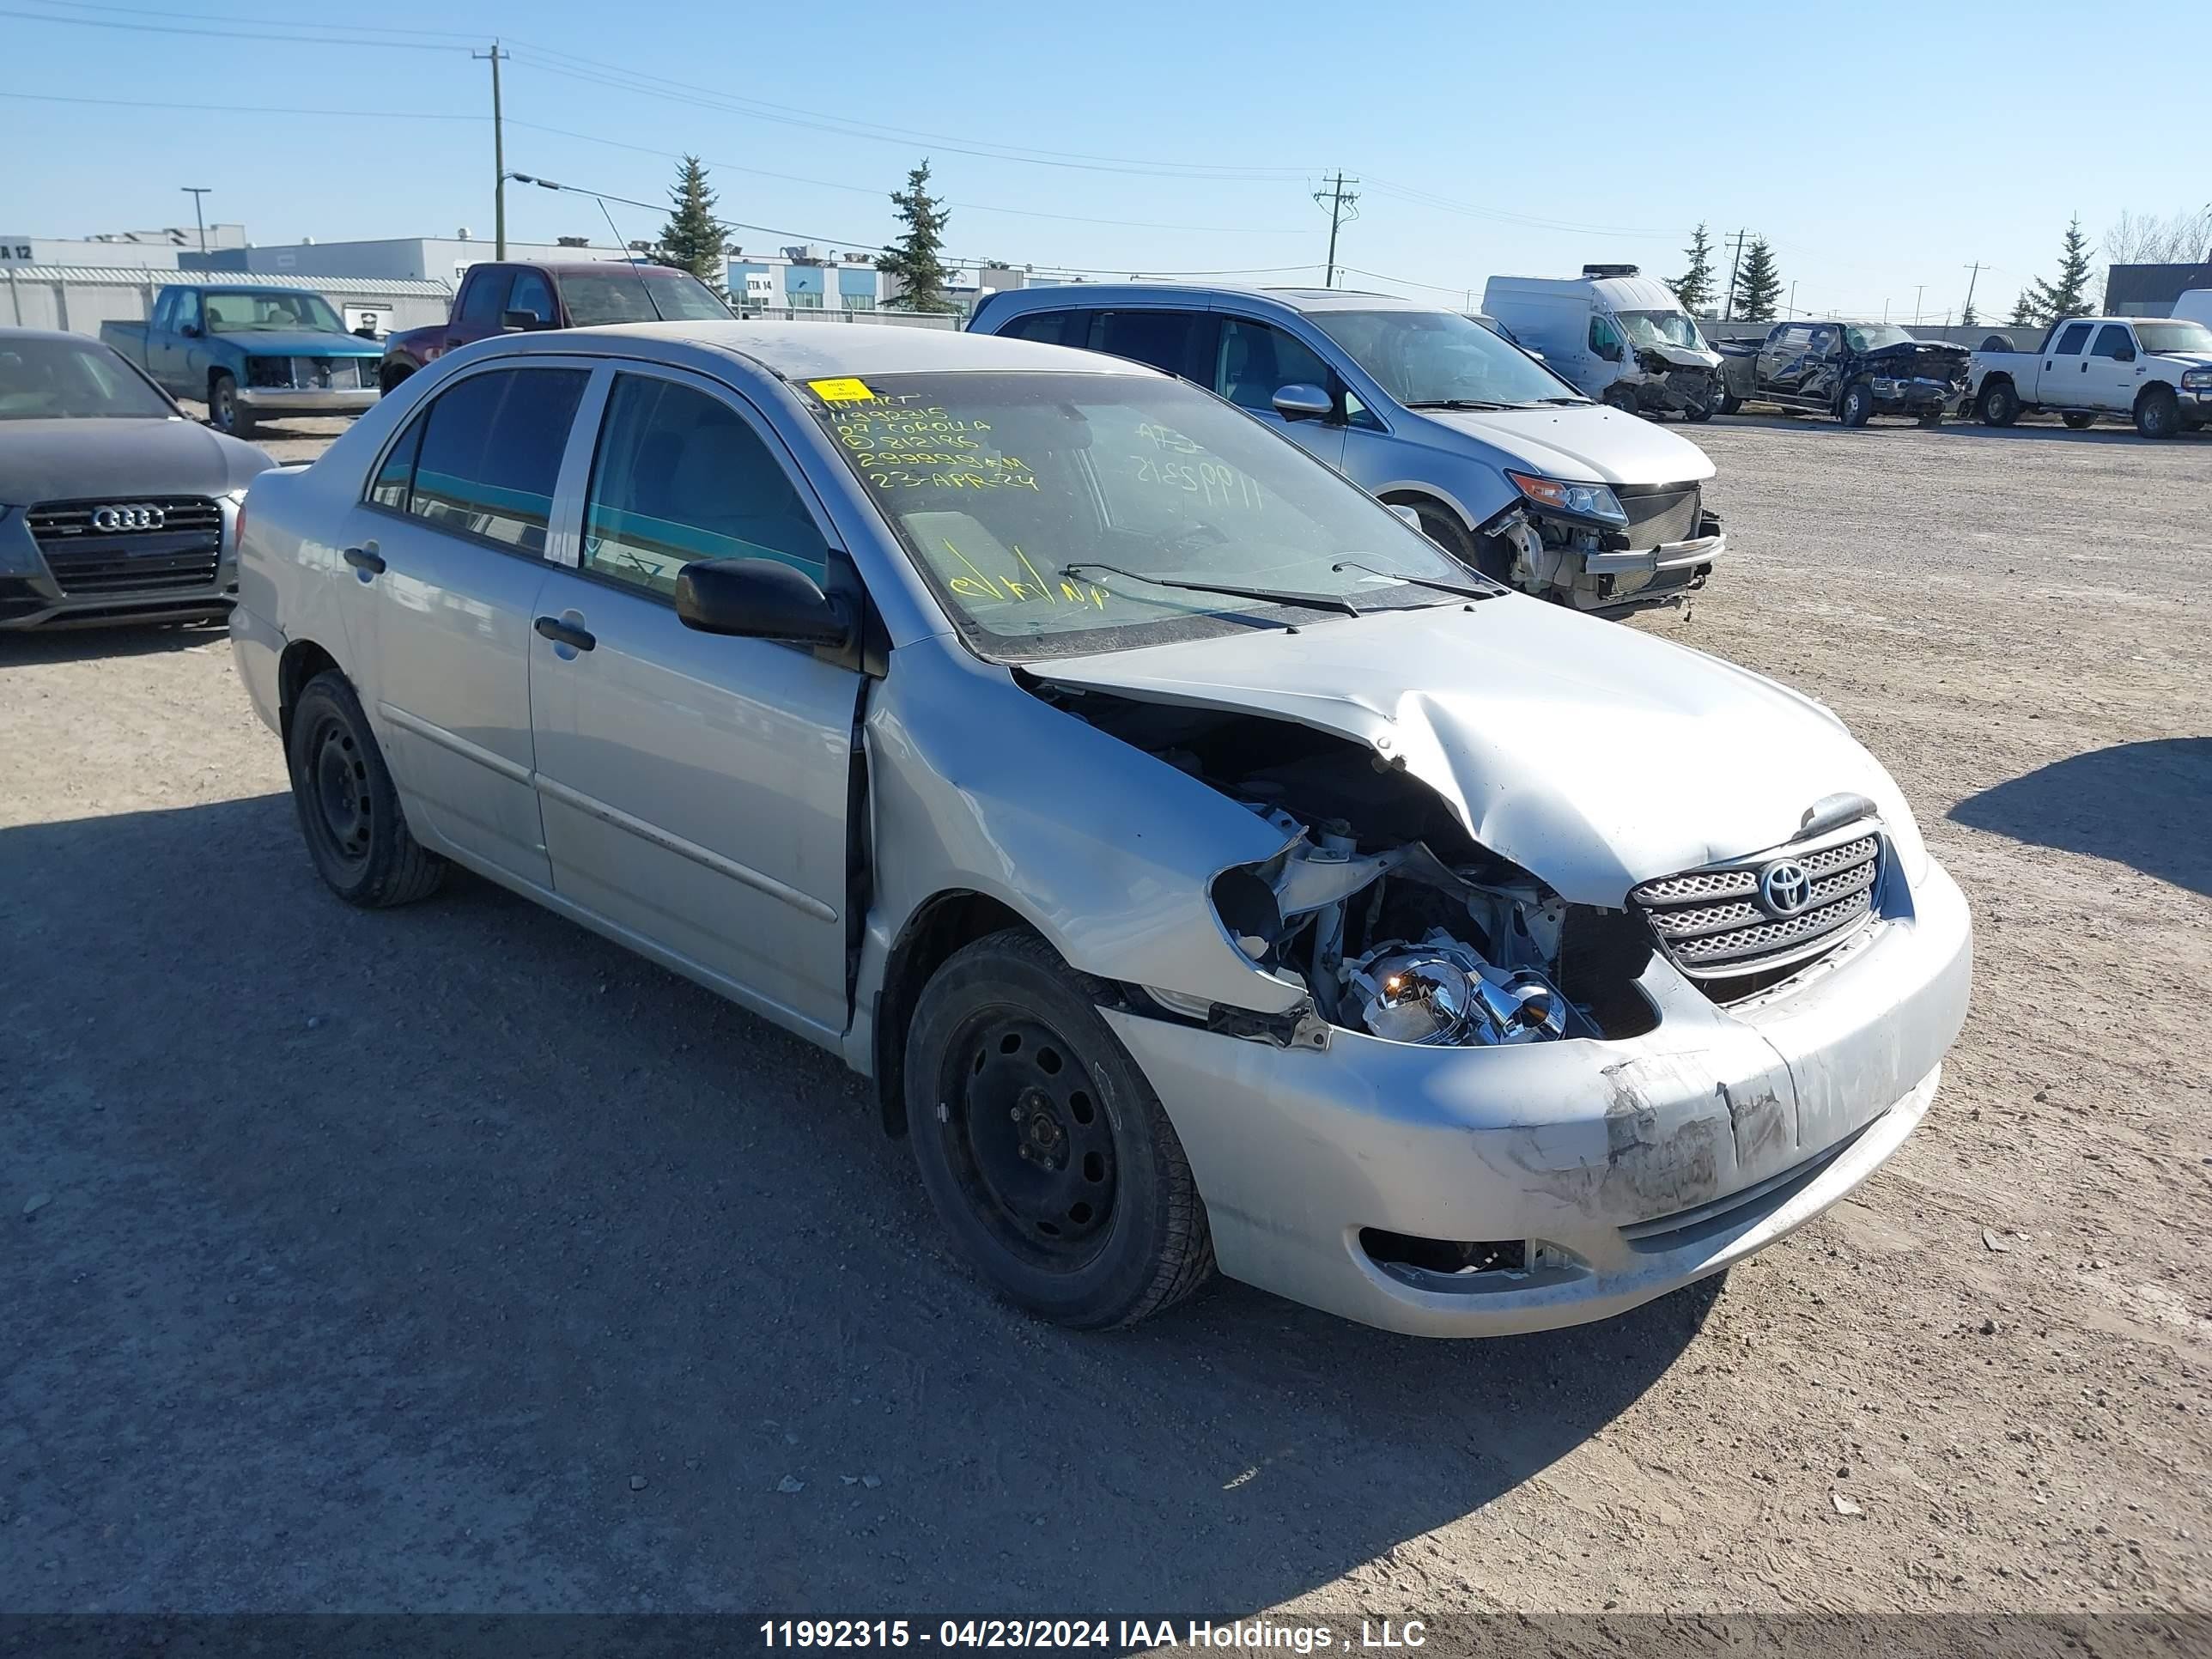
(1204, 867)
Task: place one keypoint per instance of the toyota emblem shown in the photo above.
(139, 516)
(1784, 888)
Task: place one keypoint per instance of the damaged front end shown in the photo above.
(1623, 549)
(1678, 382)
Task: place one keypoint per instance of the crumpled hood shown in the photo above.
(73, 461)
(300, 342)
(1592, 755)
(1682, 356)
(1586, 443)
(1951, 356)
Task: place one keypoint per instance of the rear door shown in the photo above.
(2110, 367)
(694, 788)
(1781, 361)
(446, 568)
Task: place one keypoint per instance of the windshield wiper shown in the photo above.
(1265, 595)
(1459, 589)
(1563, 400)
(1455, 402)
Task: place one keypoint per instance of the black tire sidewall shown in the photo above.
(1857, 407)
(1998, 405)
(324, 698)
(2160, 400)
(998, 973)
(234, 423)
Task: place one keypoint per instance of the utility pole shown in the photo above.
(1727, 312)
(1338, 200)
(1792, 307)
(1918, 289)
(196, 192)
(498, 156)
(1973, 276)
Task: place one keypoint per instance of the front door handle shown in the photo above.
(569, 633)
(365, 559)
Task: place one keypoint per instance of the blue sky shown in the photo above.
(1879, 152)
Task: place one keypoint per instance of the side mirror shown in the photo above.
(2126, 354)
(522, 320)
(758, 599)
(1406, 513)
(1302, 401)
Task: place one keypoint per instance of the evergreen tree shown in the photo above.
(1968, 317)
(915, 259)
(1760, 285)
(2023, 312)
(1694, 287)
(692, 239)
(2069, 295)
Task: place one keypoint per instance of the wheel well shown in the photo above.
(1987, 380)
(302, 660)
(1423, 498)
(932, 934)
(2153, 386)
(215, 373)
(392, 375)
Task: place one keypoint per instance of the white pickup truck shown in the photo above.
(2156, 371)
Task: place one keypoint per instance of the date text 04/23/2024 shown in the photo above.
(1076, 1635)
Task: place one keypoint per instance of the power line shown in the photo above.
(232, 17)
(229, 34)
(248, 109)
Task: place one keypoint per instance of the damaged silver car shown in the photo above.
(1205, 868)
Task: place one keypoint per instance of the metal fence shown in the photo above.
(80, 298)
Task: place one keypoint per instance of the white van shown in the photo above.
(2194, 307)
(1622, 337)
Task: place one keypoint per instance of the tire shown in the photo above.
(1620, 398)
(390, 378)
(1043, 1148)
(1730, 404)
(2158, 413)
(1698, 413)
(2079, 422)
(1857, 407)
(224, 412)
(349, 812)
(1999, 404)
(1442, 527)
(1936, 419)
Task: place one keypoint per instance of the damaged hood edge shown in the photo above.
(1593, 757)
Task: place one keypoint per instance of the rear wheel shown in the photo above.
(1042, 1147)
(224, 410)
(349, 812)
(2157, 412)
(1999, 404)
(2079, 421)
(1857, 407)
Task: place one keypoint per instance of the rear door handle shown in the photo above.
(365, 559)
(569, 633)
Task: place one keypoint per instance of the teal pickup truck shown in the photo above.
(251, 354)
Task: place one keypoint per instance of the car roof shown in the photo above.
(1096, 296)
(797, 350)
(590, 267)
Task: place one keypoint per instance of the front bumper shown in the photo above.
(31, 596)
(1913, 396)
(275, 401)
(1638, 1165)
(2196, 402)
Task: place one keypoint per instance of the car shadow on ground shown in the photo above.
(1899, 426)
(60, 644)
(2148, 804)
(452, 1257)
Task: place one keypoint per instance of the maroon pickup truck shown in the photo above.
(503, 297)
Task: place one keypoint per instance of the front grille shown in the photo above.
(184, 551)
(311, 373)
(1713, 925)
(1658, 513)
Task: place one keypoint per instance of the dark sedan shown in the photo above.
(114, 505)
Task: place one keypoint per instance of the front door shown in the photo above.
(694, 788)
(2110, 367)
(1253, 360)
(442, 583)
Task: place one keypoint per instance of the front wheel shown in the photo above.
(1042, 1147)
(2158, 413)
(1999, 404)
(1698, 412)
(1730, 402)
(1622, 399)
(1857, 405)
(349, 810)
(225, 413)
(1490, 558)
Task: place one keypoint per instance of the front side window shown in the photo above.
(2112, 341)
(487, 455)
(188, 310)
(681, 476)
(1254, 361)
(1822, 342)
(46, 380)
(2071, 342)
(1011, 493)
(1438, 359)
(1604, 338)
(269, 313)
(532, 295)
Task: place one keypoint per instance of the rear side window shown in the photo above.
(1046, 327)
(681, 476)
(2112, 342)
(483, 459)
(2071, 342)
(1254, 361)
(1161, 338)
(483, 296)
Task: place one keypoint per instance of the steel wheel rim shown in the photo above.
(335, 780)
(1028, 1139)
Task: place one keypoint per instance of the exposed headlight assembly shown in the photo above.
(1584, 501)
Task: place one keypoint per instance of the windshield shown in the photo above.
(264, 313)
(624, 294)
(1661, 328)
(62, 380)
(2174, 337)
(1872, 336)
(1007, 490)
(1439, 357)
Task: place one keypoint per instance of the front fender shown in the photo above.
(977, 785)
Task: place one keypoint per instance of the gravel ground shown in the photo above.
(449, 1258)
